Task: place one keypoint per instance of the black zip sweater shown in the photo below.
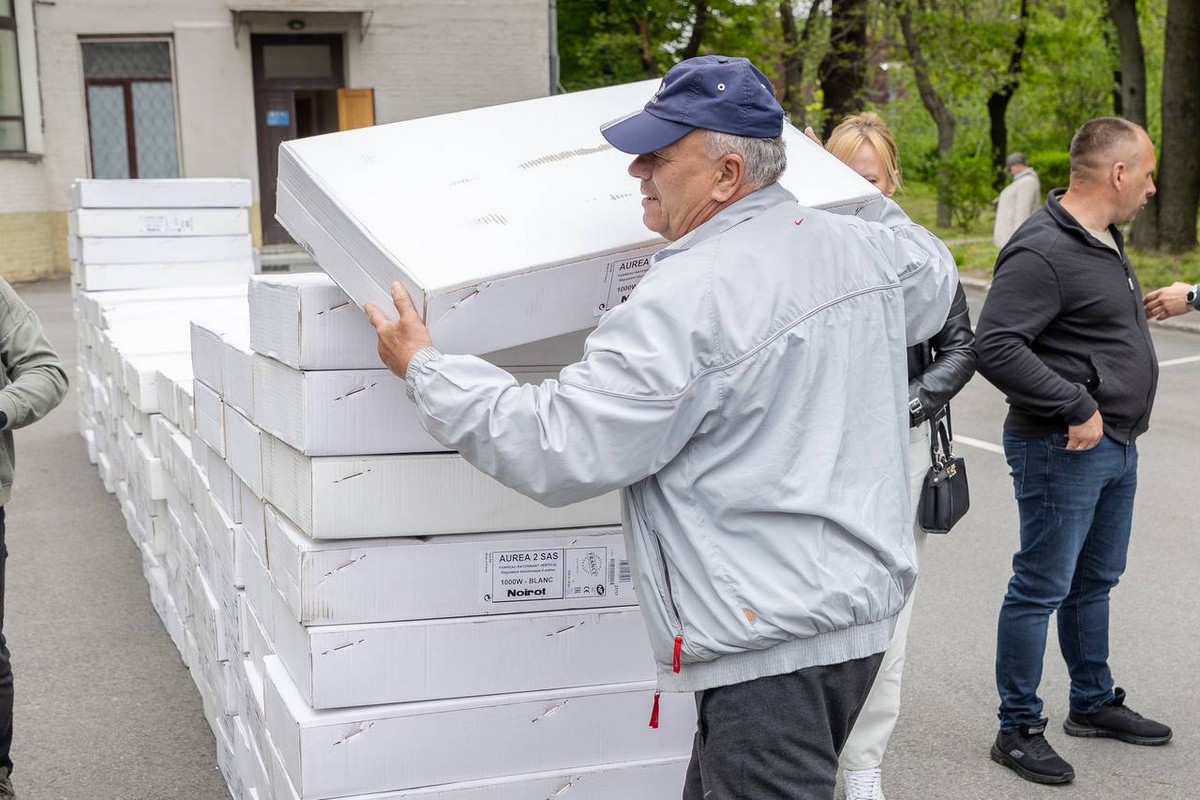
(1062, 332)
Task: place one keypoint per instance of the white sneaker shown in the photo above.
(863, 784)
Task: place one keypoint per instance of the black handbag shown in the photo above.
(945, 497)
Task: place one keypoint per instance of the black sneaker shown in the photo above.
(1026, 752)
(1115, 720)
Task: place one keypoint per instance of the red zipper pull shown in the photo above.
(654, 712)
(677, 657)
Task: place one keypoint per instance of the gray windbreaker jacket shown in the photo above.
(750, 399)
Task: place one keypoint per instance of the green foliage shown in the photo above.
(603, 42)
(1067, 71)
(1053, 168)
(970, 193)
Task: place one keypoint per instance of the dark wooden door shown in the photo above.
(296, 79)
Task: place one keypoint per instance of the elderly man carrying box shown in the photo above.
(750, 401)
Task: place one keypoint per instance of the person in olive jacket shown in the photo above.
(32, 383)
(1063, 334)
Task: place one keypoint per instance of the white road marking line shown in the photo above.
(1176, 361)
(979, 444)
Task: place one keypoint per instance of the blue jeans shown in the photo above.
(1076, 509)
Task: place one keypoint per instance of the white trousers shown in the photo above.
(869, 737)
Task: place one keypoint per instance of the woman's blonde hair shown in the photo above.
(866, 127)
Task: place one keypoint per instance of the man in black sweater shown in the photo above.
(1064, 336)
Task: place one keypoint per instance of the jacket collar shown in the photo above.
(749, 206)
(1068, 222)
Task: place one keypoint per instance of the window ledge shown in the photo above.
(32, 158)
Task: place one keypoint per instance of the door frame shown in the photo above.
(267, 147)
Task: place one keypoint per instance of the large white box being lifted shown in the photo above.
(507, 224)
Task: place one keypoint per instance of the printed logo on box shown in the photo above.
(553, 574)
(620, 278)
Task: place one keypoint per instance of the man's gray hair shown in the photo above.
(765, 159)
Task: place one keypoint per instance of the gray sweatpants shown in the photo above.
(777, 738)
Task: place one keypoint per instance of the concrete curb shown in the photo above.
(1189, 322)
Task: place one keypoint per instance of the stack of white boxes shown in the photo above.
(158, 233)
(135, 384)
(488, 646)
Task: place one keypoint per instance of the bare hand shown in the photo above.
(399, 341)
(810, 133)
(1170, 301)
(1087, 435)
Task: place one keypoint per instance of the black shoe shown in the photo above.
(1115, 720)
(1026, 752)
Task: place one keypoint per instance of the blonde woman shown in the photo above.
(937, 370)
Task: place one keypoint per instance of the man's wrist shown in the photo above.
(1193, 297)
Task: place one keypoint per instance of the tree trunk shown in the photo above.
(649, 65)
(1132, 71)
(997, 104)
(843, 70)
(692, 49)
(1113, 47)
(933, 104)
(1179, 171)
(795, 44)
(1131, 89)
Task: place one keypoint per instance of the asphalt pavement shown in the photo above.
(107, 710)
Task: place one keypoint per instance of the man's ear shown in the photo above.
(730, 178)
(1119, 174)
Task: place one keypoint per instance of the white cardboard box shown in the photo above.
(163, 249)
(243, 450)
(632, 780)
(337, 412)
(97, 306)
(237, 370)
(345, 412)
(142, 374)
(543, 231)
(339, 666)
(254, 521)
(378, 580)
(348, 497)
(210, 417)
(330, 754)
(206, 354)
(260, 602)
(161, 193)
(307, 322)
(126, 277)
(96, 222)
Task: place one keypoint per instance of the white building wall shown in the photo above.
(421, 57)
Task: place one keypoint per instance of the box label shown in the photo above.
(166, 224)
(514, 576)
(620, 277)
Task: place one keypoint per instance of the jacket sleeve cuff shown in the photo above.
(1081, 410)
(8, 410)
(423, 357)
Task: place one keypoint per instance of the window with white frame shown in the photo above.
(131, 108)
(12, 117)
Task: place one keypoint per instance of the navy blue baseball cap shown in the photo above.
(716, 93)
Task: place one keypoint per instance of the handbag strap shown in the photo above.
(941, 439)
